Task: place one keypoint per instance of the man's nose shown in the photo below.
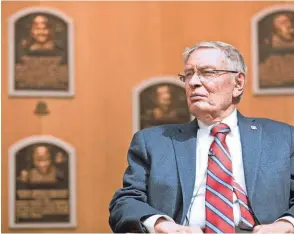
(195, 80)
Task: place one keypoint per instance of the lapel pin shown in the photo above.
(253, 127)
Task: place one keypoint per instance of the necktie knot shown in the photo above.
(220, 128)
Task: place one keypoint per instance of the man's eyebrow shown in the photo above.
(206, 66)
(189, 68)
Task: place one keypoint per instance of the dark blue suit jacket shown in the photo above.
(161, 173)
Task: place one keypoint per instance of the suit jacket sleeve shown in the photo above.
(291, 201)
(129, 206)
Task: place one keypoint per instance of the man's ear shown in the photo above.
(240, 82)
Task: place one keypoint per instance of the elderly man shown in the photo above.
(220, 173)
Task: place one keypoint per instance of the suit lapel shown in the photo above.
(250, 134)
(185, 151)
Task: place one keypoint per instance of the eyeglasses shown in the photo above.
(203, 74)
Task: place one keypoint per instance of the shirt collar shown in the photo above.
(230, 120)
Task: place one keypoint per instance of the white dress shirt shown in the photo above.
(196, 213)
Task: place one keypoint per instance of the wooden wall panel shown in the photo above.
(117, 46)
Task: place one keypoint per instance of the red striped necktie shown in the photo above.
(220, 186)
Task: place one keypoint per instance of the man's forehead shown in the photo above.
(205, 56)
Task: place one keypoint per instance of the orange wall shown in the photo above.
(117, 46)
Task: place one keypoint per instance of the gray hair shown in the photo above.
(232, 56)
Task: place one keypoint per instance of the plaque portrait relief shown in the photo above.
(273, 51)
(159, 101)
(40, 53)
(42, 183)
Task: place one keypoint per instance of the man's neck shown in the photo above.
(214, 117)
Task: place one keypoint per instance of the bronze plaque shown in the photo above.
(42, 190)
(163, 102)
(274, 54)
(40, 54)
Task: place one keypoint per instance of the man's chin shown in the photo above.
(200, 110)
